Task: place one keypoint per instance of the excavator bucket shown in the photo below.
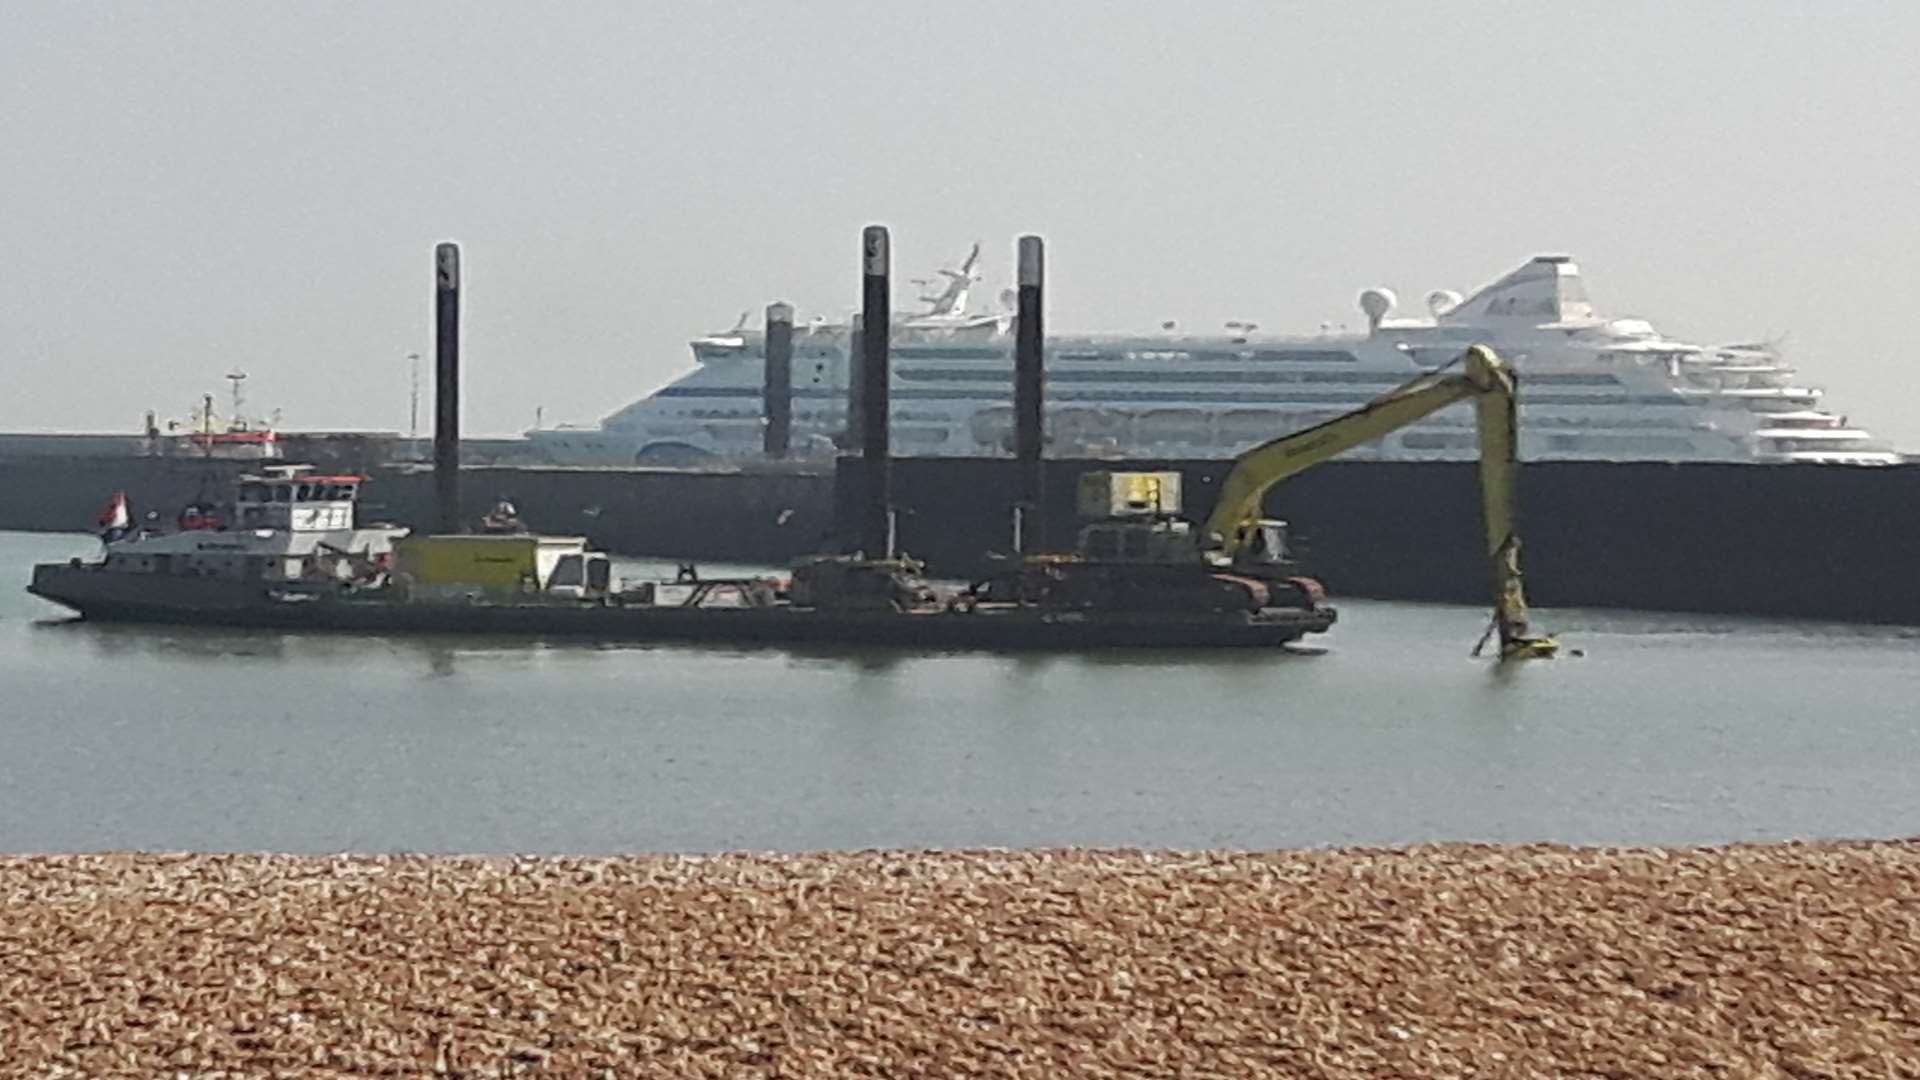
(1517, 642)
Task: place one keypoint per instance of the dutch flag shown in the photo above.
(115, 520)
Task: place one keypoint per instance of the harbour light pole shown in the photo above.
(413, 400)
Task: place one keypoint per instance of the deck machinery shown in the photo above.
(1136, 553)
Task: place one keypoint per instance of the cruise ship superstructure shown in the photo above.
(1592, 387)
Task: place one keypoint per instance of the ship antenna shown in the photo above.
(952, 300)
(236, 377)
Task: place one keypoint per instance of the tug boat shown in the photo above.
(287, 533)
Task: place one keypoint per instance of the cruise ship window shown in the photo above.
(1415, 440)
(1305, 356)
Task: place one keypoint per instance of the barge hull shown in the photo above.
(199, 602)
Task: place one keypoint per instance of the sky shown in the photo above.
(191, 188)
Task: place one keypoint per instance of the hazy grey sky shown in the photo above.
(191, 187)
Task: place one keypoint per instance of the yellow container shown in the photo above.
(493, 564)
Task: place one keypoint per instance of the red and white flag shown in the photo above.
(115, 517)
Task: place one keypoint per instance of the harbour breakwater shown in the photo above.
(1800, 541)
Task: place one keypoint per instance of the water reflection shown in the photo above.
(118, 641)
(440, 661)
(215, 644)
(1674, 728)
(1647, 624)
(440, 654)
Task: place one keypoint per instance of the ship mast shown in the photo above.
(413, 400)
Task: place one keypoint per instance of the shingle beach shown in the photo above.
(1798, 960)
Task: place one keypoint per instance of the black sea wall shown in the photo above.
(1816, 542)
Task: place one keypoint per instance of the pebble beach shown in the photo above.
(1796, 960)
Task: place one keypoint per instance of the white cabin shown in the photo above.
(287, 524)
(287, 498)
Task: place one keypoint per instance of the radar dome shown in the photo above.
(1376, 303)
(1441, 301)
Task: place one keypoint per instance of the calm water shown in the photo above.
(1669, 730)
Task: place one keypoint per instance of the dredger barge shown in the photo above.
(288, 551)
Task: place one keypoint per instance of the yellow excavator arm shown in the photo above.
(1485, 379)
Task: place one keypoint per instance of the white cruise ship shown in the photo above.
(1592, 387)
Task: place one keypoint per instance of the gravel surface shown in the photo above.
(1796, 960)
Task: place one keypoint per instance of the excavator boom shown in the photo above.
(1485, 379)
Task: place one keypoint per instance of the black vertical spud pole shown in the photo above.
(778, 393)
(876, 322)
(1029, 382)
(855, 437)
(446, 389)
